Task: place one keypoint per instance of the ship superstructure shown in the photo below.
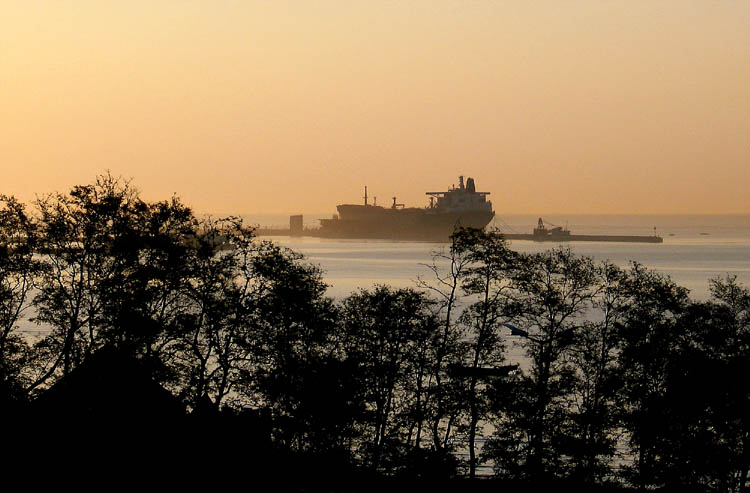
(461, 206)
(461, 199)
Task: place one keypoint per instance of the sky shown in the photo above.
(259, 107)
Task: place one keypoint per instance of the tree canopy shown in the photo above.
(625, 380)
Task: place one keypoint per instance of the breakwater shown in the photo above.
(557, 235)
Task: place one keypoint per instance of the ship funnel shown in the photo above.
(461, 182)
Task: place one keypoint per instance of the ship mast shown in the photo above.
(365, 194)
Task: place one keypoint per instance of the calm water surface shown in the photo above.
(695, 249)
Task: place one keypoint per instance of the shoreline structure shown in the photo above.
(539, 234)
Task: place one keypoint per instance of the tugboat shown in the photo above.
(462, 206)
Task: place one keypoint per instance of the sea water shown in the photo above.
(695, 249)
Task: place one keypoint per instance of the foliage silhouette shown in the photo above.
(185, 336)
(549, 295)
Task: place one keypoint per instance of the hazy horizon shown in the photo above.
(255, 107)
(512, 214)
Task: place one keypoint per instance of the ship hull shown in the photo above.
(400, 224)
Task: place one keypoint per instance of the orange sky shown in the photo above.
(293, 106)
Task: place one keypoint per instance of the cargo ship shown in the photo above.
(458, 206)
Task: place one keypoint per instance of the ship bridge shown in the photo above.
(463, 198)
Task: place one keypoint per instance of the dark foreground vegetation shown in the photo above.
(186, 346)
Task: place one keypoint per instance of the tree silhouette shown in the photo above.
(448, 267)
(594, 428)
(76, 234)
(487, 280)
(291, 341)
(385, 333)
(551, 292)
(651, 335)
(729, 345)
(18, 271)
(139, 297)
